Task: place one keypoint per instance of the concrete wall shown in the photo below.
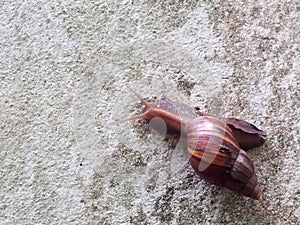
(63, 73)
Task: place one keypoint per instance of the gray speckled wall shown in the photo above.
(63, 73)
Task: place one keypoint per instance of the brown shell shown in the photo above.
(217, 157)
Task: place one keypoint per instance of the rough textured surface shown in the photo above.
(63, 70)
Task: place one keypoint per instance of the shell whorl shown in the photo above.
(217, 157)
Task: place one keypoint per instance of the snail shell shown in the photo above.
(215, 145)
(217, 158)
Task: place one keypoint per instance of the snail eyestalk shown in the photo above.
(146, 111)
(138, 96)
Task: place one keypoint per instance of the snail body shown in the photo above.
(216, 145)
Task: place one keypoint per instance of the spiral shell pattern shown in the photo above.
(217, 158)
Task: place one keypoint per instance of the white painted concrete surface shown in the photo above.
(63, 73)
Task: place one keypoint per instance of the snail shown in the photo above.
(217, 146)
